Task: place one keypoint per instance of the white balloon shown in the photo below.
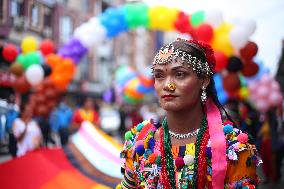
(34, 74)
(90, 33)
(214, 18)
(238, 37)
(250, 26)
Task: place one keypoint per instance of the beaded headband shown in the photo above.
(168, 54)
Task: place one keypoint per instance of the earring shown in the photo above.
(172, 86)
(203, 95)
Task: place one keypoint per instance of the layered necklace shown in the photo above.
(168, 169)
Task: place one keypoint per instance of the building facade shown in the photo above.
(57, 19)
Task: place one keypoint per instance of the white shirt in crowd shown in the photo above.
(32, 138)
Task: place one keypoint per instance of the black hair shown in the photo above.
(199, 53)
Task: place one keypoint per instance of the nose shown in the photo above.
(169, 85)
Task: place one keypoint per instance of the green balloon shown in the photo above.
(136, 15)
(197, 18)
(20, 59)
(131, 100)
(30, 59)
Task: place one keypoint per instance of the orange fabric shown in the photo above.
(238, 170)
(175, 151)
(69, 180)
(81, 115)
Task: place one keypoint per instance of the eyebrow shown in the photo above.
(173, 69)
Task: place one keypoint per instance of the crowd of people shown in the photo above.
(23, 131)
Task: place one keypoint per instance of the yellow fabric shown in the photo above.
(87, 115)
(238, 170)
(265, 131)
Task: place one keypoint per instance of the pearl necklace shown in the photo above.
(183, 136)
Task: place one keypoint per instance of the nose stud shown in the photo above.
(172, 86)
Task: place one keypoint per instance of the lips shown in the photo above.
(169, 96)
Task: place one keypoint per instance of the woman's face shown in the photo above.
(188, 86)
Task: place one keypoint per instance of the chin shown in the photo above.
(171, 106)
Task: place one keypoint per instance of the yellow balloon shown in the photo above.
(221, 40)
(162, 18)
(29, 44)
(224, 28)
(244, 93)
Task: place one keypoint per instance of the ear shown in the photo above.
(205, 81)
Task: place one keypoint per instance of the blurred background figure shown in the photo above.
(61, 119)
(271, 150)
(26, 131)
(11, 114)
(86, 113)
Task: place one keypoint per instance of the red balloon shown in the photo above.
(51, 93)
(21, 85)
(51, 104)
(47, 47)
(10, 52)
(221, 61)
(40, 98)
(250, 69)
(182, 23)
(249, 51)
(204, 32)
(41, 110)
(231, 82)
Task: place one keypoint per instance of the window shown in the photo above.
(66, 28)
(85, 5)
(47, 17)
(35, 16)
(16, 8)
(2, 12)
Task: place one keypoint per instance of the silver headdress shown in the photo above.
(169, 54)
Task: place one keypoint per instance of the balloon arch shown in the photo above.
(49, 73)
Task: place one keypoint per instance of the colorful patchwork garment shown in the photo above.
(143, 161)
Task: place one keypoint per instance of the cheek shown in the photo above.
(158, 87)
(190, 89)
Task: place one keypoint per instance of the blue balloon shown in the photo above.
(113, 19)
(124, 79)
(144, 90)
(218, 81)
(221, 93)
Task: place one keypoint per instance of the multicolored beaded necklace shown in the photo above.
(167, 157)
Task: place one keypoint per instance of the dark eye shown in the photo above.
(158, 75)
(180, 74)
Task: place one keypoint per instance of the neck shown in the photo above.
(185, 121)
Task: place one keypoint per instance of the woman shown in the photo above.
(26, 131)
(193, 147)
(86, 113)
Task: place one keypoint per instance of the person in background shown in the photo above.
(26, 131)
(86, 113)
(11, 115)
(60, 121)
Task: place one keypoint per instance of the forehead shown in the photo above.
(174, 65)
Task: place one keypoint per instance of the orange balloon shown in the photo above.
(133, 93)
(17, 69)
(60, 83)
(53, 60)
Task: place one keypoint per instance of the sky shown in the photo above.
(268, 14)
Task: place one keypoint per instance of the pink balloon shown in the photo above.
(275, 86)
(262, 106)
(252, 88)
(275, 99)
(262, 92)
(266, 79)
